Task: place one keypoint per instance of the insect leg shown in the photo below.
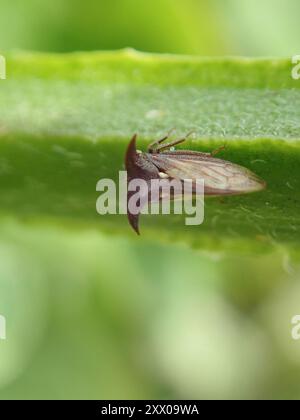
(169, 145)
(218, 150)
(153, 146)
(173, 143)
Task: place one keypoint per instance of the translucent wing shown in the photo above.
(220, 177)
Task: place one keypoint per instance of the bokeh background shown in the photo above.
(89, 316)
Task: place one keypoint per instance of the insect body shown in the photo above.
(220, 177)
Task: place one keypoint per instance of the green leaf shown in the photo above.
(66, 120)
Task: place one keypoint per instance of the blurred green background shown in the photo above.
(89, 316)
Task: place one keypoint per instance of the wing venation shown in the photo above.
(220, 177)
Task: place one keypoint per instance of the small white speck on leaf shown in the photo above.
(77, 164)
(258, 161)
(64, 152)
(154, 114)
